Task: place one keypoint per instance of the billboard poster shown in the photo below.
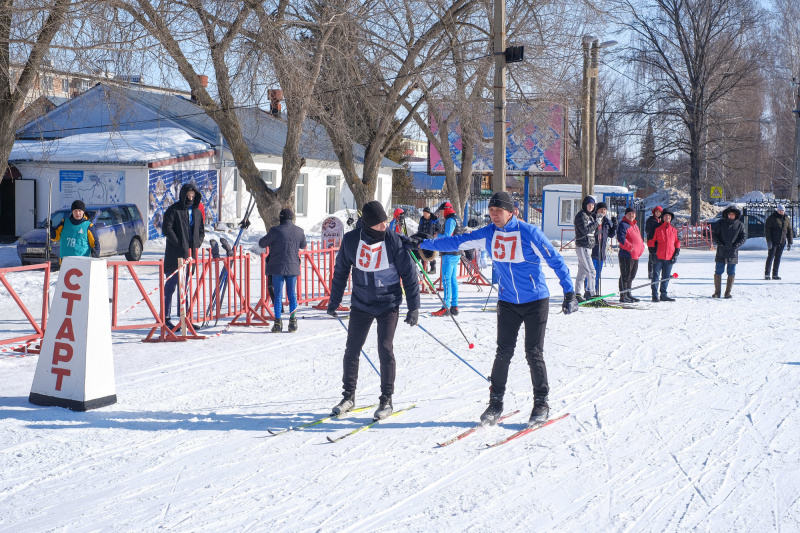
(164, 190)
(92, 187)
(536, 136)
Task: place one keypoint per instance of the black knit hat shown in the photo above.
(601, 205)
(373, 213)
(286, 214)
(629, 210)
(78, 204)
(502, 200)
(426, 210)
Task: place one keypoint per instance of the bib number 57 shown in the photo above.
(505, 246)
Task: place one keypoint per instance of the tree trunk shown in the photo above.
(695, 161)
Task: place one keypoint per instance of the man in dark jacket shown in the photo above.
(606, 229)
(778, 231)
(728, 236)
(428, 225)
(650, 225)
(284, 242)
(184, 232)
(378, 262)
(585, 239)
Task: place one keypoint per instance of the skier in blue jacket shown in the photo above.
(518, 250)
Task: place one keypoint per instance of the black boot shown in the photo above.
(384, 408)
(292, 324)
(347, 403)
(541, 410)
(492, 413)
(277, 327)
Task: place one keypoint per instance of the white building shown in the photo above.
(152, 173)
(561, 202)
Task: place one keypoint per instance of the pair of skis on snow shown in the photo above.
(460, 436)
(330, 417)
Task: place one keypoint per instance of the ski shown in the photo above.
(526, 431)
(472, 430)
(320, 420)
(367, 426)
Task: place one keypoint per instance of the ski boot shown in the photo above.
(292, 324)
(665, 298)
(454, 311)
(541, 410)
(347, 403)
(632, 299)
(491, 415)
(277, 327)
(384, 408)
(441, 312)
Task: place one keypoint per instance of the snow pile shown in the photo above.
(125, 146)
(679, 202)
(755, 196)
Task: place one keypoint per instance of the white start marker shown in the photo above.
(76, 366)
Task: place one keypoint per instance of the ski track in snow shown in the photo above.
(684, 417)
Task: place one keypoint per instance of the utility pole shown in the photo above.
(593, 67)
(585, 103)
(499, 161)
(796, 180)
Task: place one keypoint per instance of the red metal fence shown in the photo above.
(38, 328)
(695, 235)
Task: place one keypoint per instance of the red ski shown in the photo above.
(526, 431)
(472, 430)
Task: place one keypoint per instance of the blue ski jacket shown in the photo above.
(517, 250)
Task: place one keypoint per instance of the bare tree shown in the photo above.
(691, 55)
(27, 31)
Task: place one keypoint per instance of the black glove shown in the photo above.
(570, 304)
(675, 257)
(332, 309)
(350, 221)
(412, 317)
(245, 223)
(413, 242)
(613, 220)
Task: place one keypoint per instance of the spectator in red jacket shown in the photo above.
(631, 247)
(668, 246)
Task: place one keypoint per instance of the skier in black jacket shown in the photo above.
(650, 226)
(378, 262)
(184, 232)
(428, 226)
(585, 238)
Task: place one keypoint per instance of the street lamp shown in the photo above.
(591, 63)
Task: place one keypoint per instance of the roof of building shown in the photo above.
(126, 147)
(106, 108)
(573, 187)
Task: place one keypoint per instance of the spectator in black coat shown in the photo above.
(428, 226)
(778, 231)
(184, 232)
(650, 225)
(378, 263)
(728, 235)
(284, 242)
(585, 238)
(606, 229)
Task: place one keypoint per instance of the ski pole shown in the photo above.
(487, 297)
(471, 346)
(362, 349)
(452, 352)
(675, 275)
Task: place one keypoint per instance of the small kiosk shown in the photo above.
(561, 202)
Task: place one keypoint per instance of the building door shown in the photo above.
(25, 206)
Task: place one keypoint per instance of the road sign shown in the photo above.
(716, 192)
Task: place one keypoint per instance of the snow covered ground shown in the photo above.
(683, 417)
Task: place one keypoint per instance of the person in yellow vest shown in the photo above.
(75, 234)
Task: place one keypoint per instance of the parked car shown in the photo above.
(753, 224)
(119, 228)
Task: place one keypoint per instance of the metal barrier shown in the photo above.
(695, 235)
(567, 245)
(38, 328)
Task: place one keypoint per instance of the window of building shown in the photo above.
(65, 85)
(47, 83)
(301, 195)
(235, 179)
(269, 178)
(84, 85)
(379, 191)
(331, 186)
(569, 208)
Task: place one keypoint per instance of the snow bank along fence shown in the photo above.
(21, 343)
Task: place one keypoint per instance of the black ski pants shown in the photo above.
(509, 319)
(357, 331)
(774, 254)
(627, 271)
